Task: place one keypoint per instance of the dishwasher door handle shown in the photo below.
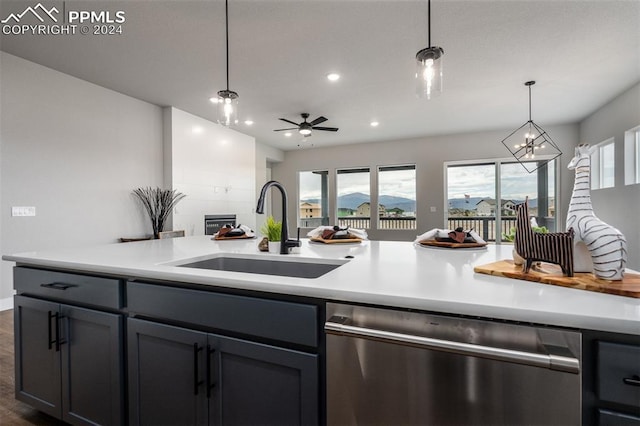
(338, 325)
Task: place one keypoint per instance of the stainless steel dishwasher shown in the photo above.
(391, 367)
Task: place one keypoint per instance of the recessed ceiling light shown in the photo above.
(374, 124)
(214, 100)
(288, 134)
(333, 76)
(248, 122)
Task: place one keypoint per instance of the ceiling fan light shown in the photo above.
(305, 132)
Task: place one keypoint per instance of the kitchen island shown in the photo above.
(280, 317)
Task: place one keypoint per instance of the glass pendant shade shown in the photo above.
(227, 107)
(429, 63)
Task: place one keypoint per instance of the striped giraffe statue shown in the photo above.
(533, 246)
(598, 247)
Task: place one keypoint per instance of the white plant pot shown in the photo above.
(274, 247)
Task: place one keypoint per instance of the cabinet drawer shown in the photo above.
(62, 286)
(617, 366)
(272, 319)
(611, 418)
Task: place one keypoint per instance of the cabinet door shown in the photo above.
(166, 375)
(37, 365)
(261, 384)
(92, 367)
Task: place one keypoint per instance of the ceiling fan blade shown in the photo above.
(282, 130)
(289, 121)
(328, 129)
(318, 120)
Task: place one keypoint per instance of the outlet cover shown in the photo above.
(23, 211)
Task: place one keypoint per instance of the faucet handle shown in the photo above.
(293, 243)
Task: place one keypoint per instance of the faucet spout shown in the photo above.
(285, 243)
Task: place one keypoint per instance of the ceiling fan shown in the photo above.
(306, 127)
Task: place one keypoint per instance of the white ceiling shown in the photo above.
(581, 53)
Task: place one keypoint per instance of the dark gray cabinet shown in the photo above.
(69, 350)
(179, 376)
(68, 361)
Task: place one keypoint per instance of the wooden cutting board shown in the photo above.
(552, 274)
(336, 241)
(238, 237)
(453, 245)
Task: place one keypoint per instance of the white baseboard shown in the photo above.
(6, 304)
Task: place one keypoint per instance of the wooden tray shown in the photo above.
(552, 274)
(447, 244)
(239, 237)
(336, 241)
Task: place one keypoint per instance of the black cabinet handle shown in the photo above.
(50, 331)
(632, 381)
(57, 320)
(210, 383)
(58, 286)
(196, 374)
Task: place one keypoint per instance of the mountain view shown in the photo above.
(470, 203)
(353, 200)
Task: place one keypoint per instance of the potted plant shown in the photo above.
(272, 230)
(158, 203)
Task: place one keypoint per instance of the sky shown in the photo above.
(479, 181)
(399, 183)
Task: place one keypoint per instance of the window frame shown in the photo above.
(497, 163)
(327, 215)
(597, 166)
(405, 166)
(355, 169)
(632, 156)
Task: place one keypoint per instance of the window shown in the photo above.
(603, 165)
(632, 156)
(397, 197)
(354, 199)
(473, 191)
(313, 199)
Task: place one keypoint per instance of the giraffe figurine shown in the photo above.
(598, 247)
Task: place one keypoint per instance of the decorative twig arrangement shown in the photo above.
(158, 203)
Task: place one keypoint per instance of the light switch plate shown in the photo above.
(433, 209)
(23, 211)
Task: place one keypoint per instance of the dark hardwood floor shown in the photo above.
(13, 412)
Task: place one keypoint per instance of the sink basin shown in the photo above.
(266, 265)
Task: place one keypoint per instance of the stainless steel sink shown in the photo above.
(266, 265)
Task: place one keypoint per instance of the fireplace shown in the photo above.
(213, 222)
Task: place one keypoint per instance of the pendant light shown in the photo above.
(530, 144)
(429, 66)
(227, 99)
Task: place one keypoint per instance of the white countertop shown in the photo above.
(396, 274)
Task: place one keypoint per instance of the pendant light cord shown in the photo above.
(429, 22)
(529, 102)
(226, 21)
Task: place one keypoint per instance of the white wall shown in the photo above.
(214, 166)
(428, 154)
(618, 206)
(265, 157)
(74, 151)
